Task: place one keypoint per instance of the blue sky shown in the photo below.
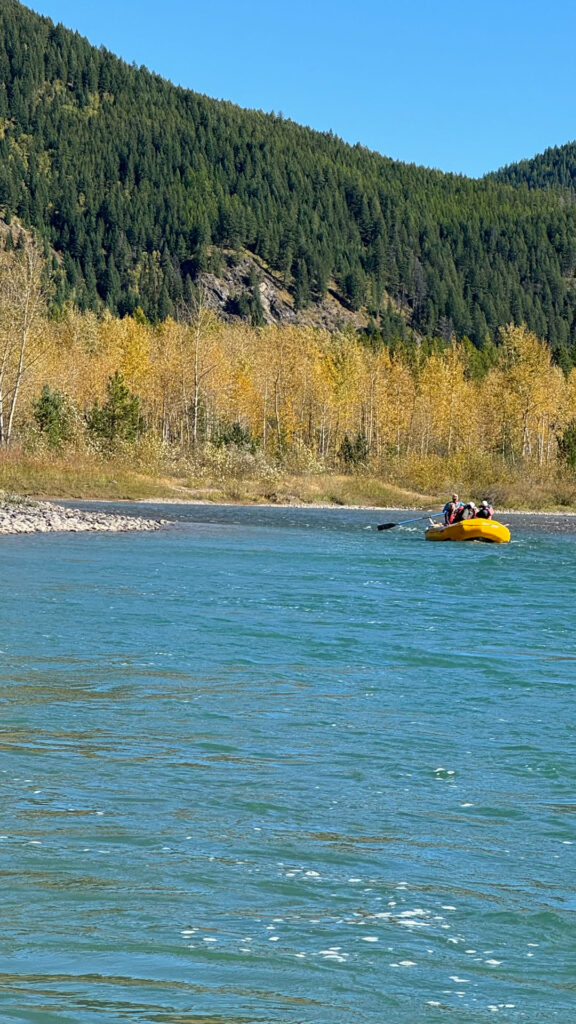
(464, 86)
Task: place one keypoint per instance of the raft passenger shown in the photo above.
(486, 510)
(451, 509)
(467, 511)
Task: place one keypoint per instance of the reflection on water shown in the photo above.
(271, 765)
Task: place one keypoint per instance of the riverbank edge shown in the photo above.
(31, 516)
(64, 480)
(425, 510)
(27, 515)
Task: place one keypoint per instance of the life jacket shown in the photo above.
(451, 512)
(464, 512)
(485, 512)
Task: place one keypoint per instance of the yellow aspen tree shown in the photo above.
(232, 392)
(327, 410)
(242, 396)
(23, 333)
(216, 399)
(280, 352)
(343, 373)
(78, 337)
(549, 413)
(319, 408)
(196, 360)
(525, 374)
(449, 400)
(300, 397)
(130, 340)
(170, 388)
(87, 357)
(396, 411)
(369, 382)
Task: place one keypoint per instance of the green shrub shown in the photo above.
(119, 418)
(53, 416)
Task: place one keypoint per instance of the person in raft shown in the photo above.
(455, 511)
(485, 511)
(467, 511)
(451, 509)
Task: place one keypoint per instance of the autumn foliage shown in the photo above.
(298, 390)
(221, 399)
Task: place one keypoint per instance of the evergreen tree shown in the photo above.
(118, 419)
(132, 182)
(53, 416)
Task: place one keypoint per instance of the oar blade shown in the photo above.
(403, 522)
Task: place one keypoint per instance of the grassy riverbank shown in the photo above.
(418, 485)
(94, 478)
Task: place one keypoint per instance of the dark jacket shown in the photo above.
(465, 512)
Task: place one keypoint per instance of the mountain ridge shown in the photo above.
(555, 167)
(141, 187)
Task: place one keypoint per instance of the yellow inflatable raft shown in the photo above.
(471, 529)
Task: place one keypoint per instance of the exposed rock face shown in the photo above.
(233, 280)
(44, 517)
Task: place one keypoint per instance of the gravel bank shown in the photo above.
(45, 517)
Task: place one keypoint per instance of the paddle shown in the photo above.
(431, 515)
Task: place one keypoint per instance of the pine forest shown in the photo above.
(123, 196)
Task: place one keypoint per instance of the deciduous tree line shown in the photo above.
(286, 390)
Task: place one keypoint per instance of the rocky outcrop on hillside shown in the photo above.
(243, 276)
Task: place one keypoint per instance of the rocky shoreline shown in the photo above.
(45, 517)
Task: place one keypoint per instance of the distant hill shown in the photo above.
(140, 186)
(555, 168)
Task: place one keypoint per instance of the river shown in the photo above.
(270, 765)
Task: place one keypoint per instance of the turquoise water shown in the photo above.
(270, 765)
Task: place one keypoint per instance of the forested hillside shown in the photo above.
(138, 185)
(555, 168)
